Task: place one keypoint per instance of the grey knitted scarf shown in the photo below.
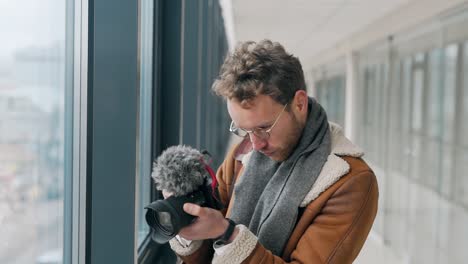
(268, 194)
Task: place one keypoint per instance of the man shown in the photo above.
(295, 189)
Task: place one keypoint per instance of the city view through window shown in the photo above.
(32, 130)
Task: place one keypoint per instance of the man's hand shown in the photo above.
(210, 223)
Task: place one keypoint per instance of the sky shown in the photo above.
(30, 23)
(35, 26)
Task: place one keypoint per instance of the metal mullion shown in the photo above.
(204, 94)
(80, 91)
(69, 103)
(171, 65)
(199, 74)
(149, 250)
(112, 126)
(189, 50)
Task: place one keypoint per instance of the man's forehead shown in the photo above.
(255, 105)
(245, 104)
(254, 114)
(260, 100)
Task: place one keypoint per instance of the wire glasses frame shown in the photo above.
(258, 132)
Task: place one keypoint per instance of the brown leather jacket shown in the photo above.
(337, 214)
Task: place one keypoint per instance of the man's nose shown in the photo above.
(257, 143)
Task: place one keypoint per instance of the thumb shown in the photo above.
(192, 209)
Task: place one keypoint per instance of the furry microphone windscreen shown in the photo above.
(179, 170)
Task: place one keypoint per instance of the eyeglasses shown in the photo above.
(261, 133)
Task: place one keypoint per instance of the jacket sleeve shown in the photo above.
(335, 235)
(199, 252)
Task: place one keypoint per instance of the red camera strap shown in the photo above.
(214, 181)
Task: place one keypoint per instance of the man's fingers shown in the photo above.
(166, 194)
(193, 209)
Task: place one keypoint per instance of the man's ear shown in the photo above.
(301, 101)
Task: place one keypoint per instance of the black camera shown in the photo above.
(184, 172)
(167, 217)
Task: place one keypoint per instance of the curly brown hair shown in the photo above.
(260, 68)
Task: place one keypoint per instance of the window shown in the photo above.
(425, 198)
(448, 118)
(431, 165)
(465, 97)
(330, 94)
(35, 135)
(394, 121)
(449, 92)
(435, 93)
(462, 154)
(416, 126)
(418, 87)
(405, 114)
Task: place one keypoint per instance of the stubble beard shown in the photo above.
(292, 139)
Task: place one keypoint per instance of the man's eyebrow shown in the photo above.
(262, 125)
(265, 125)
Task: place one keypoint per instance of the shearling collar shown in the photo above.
(334, 168)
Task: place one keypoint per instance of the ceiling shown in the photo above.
(306, 27)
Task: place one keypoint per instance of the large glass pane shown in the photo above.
(432, 146)
(362, 106)
(369, 110)
(340, 101)
(418, 87)
(405, 115)
(435, 93)
(449, 92)
(425, 188)
(330, 94)
(373, 129)
(381, 115)
(394, 124)
(145, 116)
(462, 151)
(34, 68)
(417, 116)
(448, 117)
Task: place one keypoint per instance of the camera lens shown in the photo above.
(167, 217)
(164, 220)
